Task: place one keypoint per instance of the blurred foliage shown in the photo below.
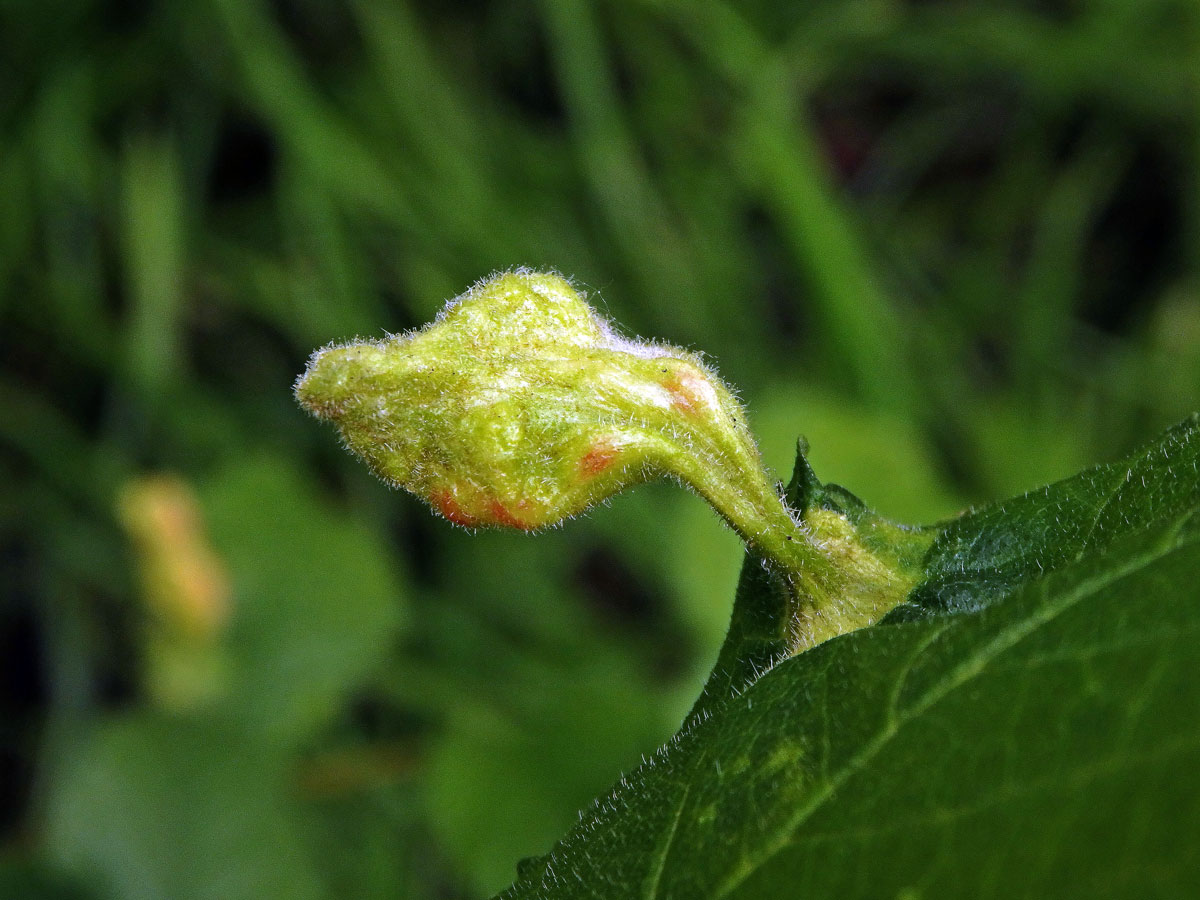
(953, 243)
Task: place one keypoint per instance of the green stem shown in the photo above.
(835, 582)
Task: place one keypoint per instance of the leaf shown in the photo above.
(33, 879)
(1028, 727)
(983, 556)
(187, 807)
(316, 603)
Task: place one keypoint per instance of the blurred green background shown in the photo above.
(955, 244)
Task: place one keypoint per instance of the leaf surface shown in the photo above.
(1026, 725)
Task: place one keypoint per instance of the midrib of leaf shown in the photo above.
(960, 675)
(893, 710)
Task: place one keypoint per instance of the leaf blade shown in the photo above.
(1063, 706)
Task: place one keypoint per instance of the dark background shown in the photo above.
(952, 243)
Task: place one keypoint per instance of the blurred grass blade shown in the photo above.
(783, 165)
(155, 246)
(638, 220)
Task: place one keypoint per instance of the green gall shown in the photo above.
(520, 407)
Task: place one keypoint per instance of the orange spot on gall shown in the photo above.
(445, 503)
(502, 515)
(684, 396)
(599, 457)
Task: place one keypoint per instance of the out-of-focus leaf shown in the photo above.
(549, 705)
(180, 808)
(500, 791)
(316, 597)
(33, 880)
(1016, 450)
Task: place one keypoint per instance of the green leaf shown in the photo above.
(983, 556)
(37, 880)
(148, 804)
(1028, 725)
(316, 601)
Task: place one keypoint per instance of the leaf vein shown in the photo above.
(659, 863)
(1071, 785)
